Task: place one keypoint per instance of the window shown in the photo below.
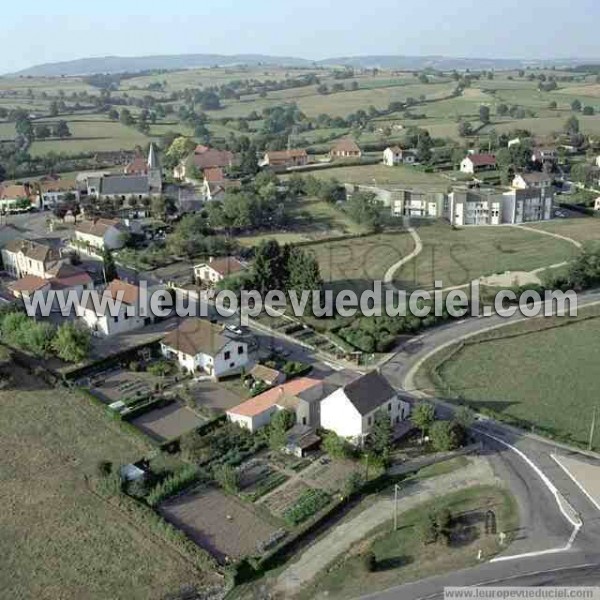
(231, 365)
(389, 406)
(240, 349)
(227, 355)
(369, 421)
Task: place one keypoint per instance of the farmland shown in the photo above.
(539, 373)
(59, 538)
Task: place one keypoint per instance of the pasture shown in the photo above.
(59, 539)
(540, 373)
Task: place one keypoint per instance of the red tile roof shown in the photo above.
(29, 283)
(214, 174)
(205, 158)
(482, 160)
(345, 145)
(262, 402)
(130, 292)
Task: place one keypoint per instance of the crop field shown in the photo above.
(60, 540)
(518, 373)
(456, 257)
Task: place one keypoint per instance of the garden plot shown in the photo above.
(330, 476)
(121, 384)
(168, 422)
(285, 497)
(258, 477)
(220, 523)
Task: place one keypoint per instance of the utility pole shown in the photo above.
(396, 488)
(592, 429)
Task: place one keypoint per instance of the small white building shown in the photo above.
(199, 345)
(216, 269)
(394, 155)
(472, 163)
(350, 410)
(115, 311)
(27, 257)
(100, 234)
(534, 180)
(300, 396)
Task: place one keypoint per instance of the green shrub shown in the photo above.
(175, 483)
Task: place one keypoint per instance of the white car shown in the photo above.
(234, 329)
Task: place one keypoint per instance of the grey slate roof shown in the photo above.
(369, 392)
(124, 184)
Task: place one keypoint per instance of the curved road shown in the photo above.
(559, 538)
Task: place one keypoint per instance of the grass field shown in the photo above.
(401, 556)
(541, 373)
(355, 263)
(458, 256)
(582, 230)
(59, 540)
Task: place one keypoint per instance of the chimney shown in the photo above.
(211, 258)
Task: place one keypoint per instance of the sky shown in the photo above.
(51, 31)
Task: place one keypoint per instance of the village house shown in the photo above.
(216, 269)
(394, 155)
(261, 374)
(203, 157)
(350, 410)
(199, 345)
(27, 257)
(100, 234)
(52, 192)
(345, 148)
(96, 313)
(536, 179)
(17, 196)
(300, 396)
(544, 155)
(473, 163)
(409, 203)
(280, 160)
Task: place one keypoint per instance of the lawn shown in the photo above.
(401, 556)
(541, 373)
(457, 256)
(355, 263)
(583, 230)
(60, 540)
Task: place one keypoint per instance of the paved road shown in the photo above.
(550, 548)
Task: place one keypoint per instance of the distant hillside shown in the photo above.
(121, 64)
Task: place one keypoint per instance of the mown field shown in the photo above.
(60, 540)
(582, 230)
(457, 256)
(541, 373)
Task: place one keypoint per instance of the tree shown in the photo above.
(576, 105)
(464, 416)
(423, 416)
(446, 435)
(61, 130)
(353, 484)
(53, 108)
(428, 529)
(484, 114)
(465, 129)
(270, 266)
(125, 117)
(303, 271)
(42, 132)
(502, 110)
(588, 111)
(280, 423)
(369, 561)
(571, 125)
(110, 268)
(158, 207)
(380, 438)
(336, 446)
(71, 342)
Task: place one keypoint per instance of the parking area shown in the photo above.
(220, 523)
(169, 422)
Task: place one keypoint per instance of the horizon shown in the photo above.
(315, 33)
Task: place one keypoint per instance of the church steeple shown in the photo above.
(152, 158)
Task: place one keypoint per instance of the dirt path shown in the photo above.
(388, 278)
(349, 532)
(558, 236)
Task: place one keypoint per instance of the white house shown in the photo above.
(100, 234)
(394, 155)
(597, 203)
(536, 179)
(300, 396)
(199, 345)
(26, 257)
(216, 269)
(99, 316)
(473, 163)
(598, 160)
(53, 192)
(350, 410)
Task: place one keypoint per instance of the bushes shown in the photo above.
(294, 368)
(309, 503)
(227, 477)
(161, 368)
(173, 484)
